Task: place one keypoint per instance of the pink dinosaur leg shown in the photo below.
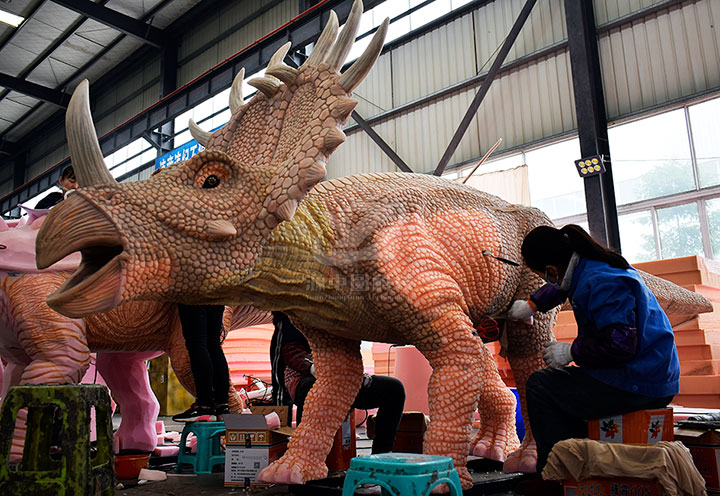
(339, 368)
(452, 397)
(55, 345)
(497, 437)
(126, 376)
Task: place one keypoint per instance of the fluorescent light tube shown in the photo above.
(10, 19)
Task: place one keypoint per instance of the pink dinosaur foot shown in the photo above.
(292, 470)
(495, 444)
(523, 460)
(465, 481)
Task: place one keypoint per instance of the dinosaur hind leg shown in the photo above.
(497, 437)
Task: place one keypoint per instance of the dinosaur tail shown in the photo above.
(679, 303)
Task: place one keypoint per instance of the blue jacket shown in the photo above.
(604, 297)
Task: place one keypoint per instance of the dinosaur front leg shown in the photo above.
(127, 377)
(454, 389)
(339, 369)
(497, 437)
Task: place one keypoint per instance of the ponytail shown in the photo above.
(587, 247)
(546, 245)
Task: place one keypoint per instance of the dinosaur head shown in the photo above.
(197, 228)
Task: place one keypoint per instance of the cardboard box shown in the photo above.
(704, 446)
(611, 487)
(251, 446)
(409, 437)
(641, 427)
(344, 445)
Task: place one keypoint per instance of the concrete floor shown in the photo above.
(488, 477)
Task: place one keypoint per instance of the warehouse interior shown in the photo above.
(510, 97)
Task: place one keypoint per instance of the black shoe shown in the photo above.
(196, 413)
(221, 410)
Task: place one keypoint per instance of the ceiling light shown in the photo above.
(11, 19)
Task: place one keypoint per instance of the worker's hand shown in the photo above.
(312, 370)
(557, 354)
(521, 310)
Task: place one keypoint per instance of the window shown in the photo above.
(651, 157)
(705, 125)
(712, 208)
(679, 229)
(637, 236)
(555, 187)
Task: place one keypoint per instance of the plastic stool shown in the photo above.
(76, 472)
(402, 474)
(209, 451)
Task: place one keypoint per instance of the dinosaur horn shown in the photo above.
(357, 72)
(324, 43)
(347, 37)
(277, 69)
(202, 137)
(236, 96)
(85, 153)
(268, 85)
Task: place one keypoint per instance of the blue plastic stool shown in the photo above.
(402, 474)
(209, 451)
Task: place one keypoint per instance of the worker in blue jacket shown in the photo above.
(625, 348)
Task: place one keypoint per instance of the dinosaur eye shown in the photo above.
(211, 181)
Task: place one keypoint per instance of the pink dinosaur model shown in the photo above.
(398, 258)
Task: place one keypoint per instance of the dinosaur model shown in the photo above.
(398, 258)
(42, 346)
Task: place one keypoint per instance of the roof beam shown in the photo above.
(125, 24)
(43, 93)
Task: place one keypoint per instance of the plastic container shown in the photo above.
(129, 466)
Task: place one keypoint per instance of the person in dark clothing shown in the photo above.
(293, 374)
(202, 329)
(625, 348)
(67, 182)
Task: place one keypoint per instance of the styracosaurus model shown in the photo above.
(398, 258)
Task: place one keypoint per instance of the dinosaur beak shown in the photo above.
(96, 286)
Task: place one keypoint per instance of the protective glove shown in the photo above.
(522, 310)
(557, 354)
(312, 370)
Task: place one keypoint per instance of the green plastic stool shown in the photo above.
(402, 474)
(209, 451)
(76, 472)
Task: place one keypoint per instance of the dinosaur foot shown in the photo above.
(292, 470)
(495, 445)
(465, 481)
(523, 460)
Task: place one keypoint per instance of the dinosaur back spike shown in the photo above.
(291, 127)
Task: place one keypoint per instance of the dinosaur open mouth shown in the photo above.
(96, 286)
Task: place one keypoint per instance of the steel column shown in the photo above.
(592, 121)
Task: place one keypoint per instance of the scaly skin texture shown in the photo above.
(44, 347)
(398, 258)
